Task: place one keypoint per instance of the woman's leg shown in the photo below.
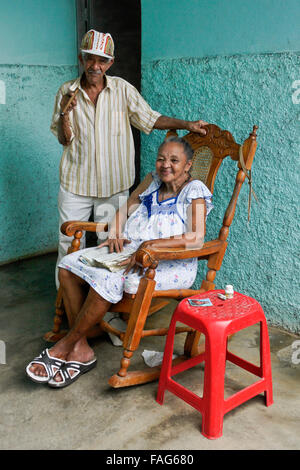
(75, 291)
(85, 308)
(91, 313)
(74, 346)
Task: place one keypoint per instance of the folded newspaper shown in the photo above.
(101, 258)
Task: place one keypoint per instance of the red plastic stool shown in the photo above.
(217, 322)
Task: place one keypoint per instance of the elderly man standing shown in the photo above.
(97, 165)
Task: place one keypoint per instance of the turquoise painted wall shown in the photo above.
(38, 53)
(201, 28)
(236, 88)
(38, 32)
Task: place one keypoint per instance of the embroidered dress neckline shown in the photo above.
(165, 200)
(169, 198)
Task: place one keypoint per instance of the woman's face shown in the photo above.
(171, 163)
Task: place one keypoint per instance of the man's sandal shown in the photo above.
(51, 365)
(78, 369)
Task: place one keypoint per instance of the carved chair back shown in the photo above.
(209, 152)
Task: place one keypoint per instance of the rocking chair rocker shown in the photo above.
(209, 152)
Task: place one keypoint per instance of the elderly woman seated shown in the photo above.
(167, 210)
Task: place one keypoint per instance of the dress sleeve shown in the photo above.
(197, 190)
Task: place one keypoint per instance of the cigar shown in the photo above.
(70, 100)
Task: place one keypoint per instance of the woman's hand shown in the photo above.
(115, 244)
(130, 264)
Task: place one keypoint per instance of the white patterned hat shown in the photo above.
(97, 43)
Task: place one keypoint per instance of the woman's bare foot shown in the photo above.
(39, 370)
(81, 352)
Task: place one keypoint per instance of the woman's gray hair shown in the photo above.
(187, 149)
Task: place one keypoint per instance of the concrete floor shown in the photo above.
(91, 415)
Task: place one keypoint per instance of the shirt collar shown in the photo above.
(76, 84)
(109, 82)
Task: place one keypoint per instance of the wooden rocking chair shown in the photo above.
(209, 152)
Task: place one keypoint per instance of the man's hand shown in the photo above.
(64, 102)
(197, 126)
(165, 122)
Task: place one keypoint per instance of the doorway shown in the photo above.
(122, 19)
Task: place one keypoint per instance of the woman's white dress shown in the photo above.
(151, 220)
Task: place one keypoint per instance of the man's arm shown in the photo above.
(64, 131)
(165, 122)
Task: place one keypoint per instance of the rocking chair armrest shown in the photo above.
(70, 227)
(147, 257)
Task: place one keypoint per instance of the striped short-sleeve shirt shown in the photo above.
(99, 161)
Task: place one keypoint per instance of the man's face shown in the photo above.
(95, 67)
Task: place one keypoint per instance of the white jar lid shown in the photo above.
(229, 288)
